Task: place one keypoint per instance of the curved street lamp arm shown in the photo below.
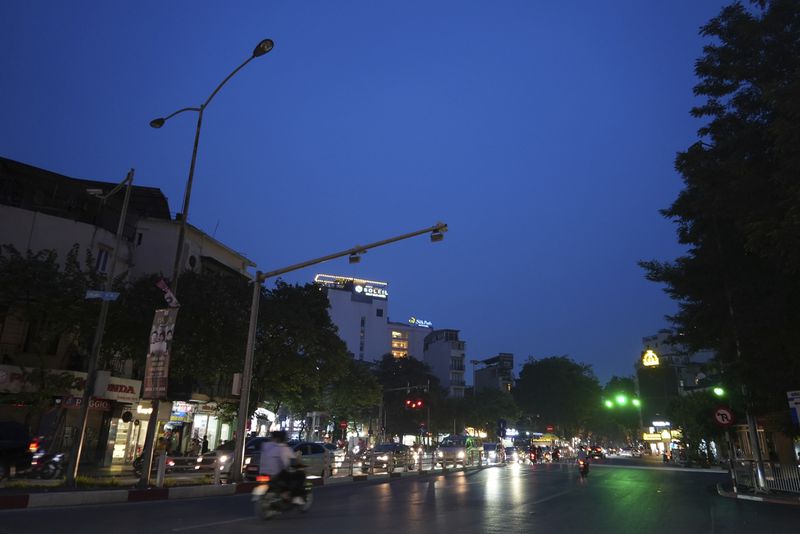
(223, 82)
(181, 111)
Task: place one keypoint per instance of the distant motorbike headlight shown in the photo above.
(439, 454)
(460, 454)
(246, 461)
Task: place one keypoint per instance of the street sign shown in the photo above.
(102, 295)
(549, 428)
(723, 416)
(342, 424)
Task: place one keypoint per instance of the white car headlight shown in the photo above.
(383, 458)
(460, 454)
(247, 461)
(224, 458)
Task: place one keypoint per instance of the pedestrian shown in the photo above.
(205, 443)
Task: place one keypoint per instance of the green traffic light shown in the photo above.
(609, 404)
(622, 400)
(719, 392)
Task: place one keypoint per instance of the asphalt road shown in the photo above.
(539, 498)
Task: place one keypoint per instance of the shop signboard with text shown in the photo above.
(156, 371)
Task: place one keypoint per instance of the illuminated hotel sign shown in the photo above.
(367, 288)
(420, 322)
(650, 358)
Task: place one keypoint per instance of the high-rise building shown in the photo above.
(408, 339)
(359, 308)
(444, 354)
(497, 373)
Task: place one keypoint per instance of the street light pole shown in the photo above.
(437, 234)
(261, 48)
(91, 374)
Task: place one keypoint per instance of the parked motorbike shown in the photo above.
(137, 465)
(583, 468)
(46, 465)
(269, 503)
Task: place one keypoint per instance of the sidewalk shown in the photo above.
(726, 490)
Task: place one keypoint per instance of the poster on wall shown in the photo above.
(156, 371)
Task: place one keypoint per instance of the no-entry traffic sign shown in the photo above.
(723, 416)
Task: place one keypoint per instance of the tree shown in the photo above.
(355, 394)
(558, 391)
(298, 354)
(739, 212)
(398, 373)
(487, 407)
(622, 423)
(693, 414)
(49, 299)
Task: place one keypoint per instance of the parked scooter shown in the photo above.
(583, 467)
(47, 465)
(269, 503)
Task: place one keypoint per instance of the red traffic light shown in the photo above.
(409, 403)
(418, 404)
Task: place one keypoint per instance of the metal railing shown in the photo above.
(778, 477)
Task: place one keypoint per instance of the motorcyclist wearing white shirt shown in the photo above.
(276, 461)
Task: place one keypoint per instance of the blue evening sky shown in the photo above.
(543, 133)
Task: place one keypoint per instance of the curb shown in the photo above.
(758, 498)
(77, 498)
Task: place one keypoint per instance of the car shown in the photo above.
(513, 456)
(16, 448)
(384, 455)
(315, 456)
(494, 453)
(596, 453)
(625, 452)
(222, 457)
(459, 450)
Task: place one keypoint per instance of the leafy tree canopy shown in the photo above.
(558, 391)
(739, 212)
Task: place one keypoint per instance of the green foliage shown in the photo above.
(618, 424)
(693, 413)
(393, 373)
(355, 394)
(298, 354)
(558, 391)
(739, 212)
(484, 409)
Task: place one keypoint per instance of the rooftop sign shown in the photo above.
(650, 358)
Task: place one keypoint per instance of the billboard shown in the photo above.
(156, 371)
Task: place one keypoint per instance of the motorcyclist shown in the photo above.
(276, 461)
(582, 454)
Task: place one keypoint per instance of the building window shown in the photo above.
(102, 260)
(379, 312)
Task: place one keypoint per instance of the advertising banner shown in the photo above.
(156, 371)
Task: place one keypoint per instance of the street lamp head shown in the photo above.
(354, 258)
(621, 400)
(718, 391)
(436, 236)
(157, 123)
(636, 402)
(609, 404)
(263, 47)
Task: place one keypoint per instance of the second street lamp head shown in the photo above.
(157, 123)
(263, 47)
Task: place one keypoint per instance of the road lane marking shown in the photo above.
(649, 468)
(551, 497)
(180, 529)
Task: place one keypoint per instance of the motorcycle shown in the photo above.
(269, 503)
(47, 466)
(583, 468)
(137, 465)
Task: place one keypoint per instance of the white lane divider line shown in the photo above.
(180, 529)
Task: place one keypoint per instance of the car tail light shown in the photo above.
(262, 478)
(33, 446)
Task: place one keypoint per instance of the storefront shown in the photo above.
(207, 426)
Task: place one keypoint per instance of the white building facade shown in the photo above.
(444, 353)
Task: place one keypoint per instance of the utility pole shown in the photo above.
(91, 375)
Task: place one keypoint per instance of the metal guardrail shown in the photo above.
(778, 477)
